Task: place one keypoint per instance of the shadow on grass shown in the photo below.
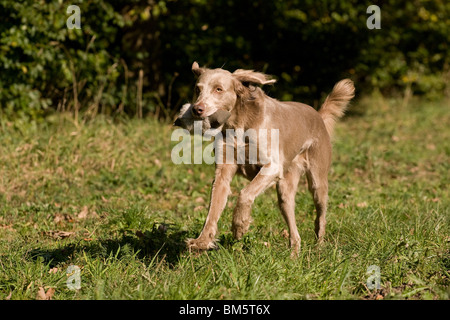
(166, 241)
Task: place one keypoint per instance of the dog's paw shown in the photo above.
(200, 244)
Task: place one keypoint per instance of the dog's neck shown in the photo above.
(248, 111)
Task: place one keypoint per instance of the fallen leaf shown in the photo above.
(199, 200)
(53, 270)
(84, 212)
(42, 295)
(59, 234)
(60, 218)
(285, 234)
(6, 226)
(362, 205)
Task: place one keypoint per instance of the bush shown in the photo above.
(134, 57)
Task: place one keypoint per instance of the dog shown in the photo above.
(236, 101)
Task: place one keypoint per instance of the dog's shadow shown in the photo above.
(164, 241)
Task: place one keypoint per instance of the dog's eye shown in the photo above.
(197, 90)
(219, 89)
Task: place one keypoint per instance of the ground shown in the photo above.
(106, 197)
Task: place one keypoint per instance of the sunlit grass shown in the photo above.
(106, 197)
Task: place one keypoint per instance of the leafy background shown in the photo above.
(134, 57)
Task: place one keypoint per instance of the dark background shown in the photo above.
(134, 57)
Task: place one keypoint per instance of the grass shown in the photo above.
(106, 197)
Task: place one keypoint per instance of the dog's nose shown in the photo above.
(199, 110)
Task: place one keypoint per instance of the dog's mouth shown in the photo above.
(219, 118)
(214, 121)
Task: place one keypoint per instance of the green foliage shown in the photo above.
(307, 45)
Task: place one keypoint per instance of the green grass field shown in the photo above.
(105, 196)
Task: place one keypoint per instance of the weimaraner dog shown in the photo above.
(236, 101)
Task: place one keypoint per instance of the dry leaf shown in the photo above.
(6, 226)
(362, 205)
(84, 212)
(199, 200)
(42, 295)
(50, 293)
(53, 270)
(61, 218)
(285, 234)
(59, 234)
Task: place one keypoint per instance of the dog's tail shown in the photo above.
(336, 103)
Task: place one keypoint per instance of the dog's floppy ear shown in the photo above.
(196, 69)
(252, 77)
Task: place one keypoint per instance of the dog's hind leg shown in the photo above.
(286, 190)
(318, 186)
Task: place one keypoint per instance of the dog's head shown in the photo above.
(217, 92)
(219, 89)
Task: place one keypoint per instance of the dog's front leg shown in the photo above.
(219, 195)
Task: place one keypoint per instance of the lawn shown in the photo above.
(104, 196)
